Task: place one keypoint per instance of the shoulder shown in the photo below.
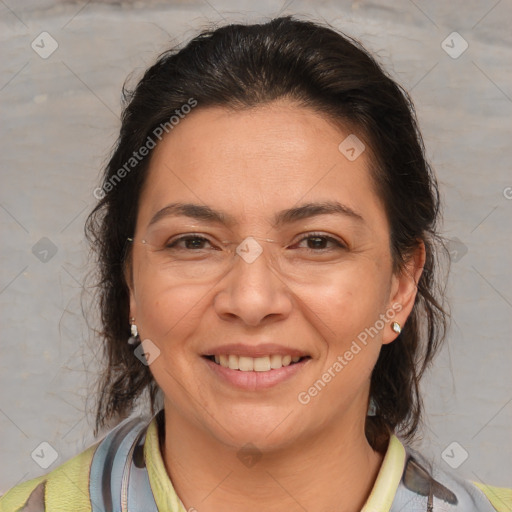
(68, 487)
(500, 497)
(424, 482)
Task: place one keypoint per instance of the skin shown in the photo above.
(251, 164)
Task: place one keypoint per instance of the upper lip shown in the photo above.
(261, 350)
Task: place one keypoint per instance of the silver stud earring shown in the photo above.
(134, 338)
(396, 327)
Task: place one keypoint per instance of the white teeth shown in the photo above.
(257, 364)
(233, 362)
(245, 364)
(276, 362)
(262, 364)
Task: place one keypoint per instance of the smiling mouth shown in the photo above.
(256, 364)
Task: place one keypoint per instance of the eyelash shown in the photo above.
(194, 236)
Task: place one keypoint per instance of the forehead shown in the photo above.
(257, 161)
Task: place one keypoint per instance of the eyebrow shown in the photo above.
(208, 214)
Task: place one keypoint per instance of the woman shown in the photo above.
(267, 240)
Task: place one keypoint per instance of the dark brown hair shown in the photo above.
(240, 66)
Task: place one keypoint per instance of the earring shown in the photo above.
(134, 338)
(396, 327)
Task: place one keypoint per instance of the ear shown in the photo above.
(403, 290)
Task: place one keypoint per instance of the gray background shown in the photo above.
(61, 117)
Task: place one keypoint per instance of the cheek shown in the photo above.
(345, 313)
(166, 312)
(352, 300)
(169, 316)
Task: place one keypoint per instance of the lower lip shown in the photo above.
(254, 381)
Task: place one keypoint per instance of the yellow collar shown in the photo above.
(390, 474)
(380, 498)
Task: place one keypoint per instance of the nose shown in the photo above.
(253, 293)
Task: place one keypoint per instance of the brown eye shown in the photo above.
(319, 242)
(188, 242)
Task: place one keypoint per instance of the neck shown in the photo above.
(334, 470)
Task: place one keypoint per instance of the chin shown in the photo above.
(267, 428)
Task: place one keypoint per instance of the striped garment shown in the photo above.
(125, 472)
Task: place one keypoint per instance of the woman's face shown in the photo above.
(307, 274)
